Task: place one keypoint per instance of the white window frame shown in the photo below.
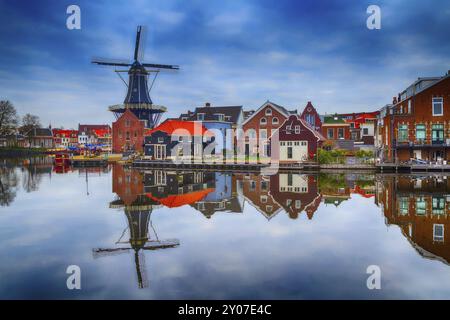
(275, 120)
(438, 238)
(437, 100)
(200, 116)
(263, 122)
(268, 112)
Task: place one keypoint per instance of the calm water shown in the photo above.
(240, 236)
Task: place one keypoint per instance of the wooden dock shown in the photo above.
(246, 167)
(404, 167)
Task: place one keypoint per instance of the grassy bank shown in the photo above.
(13, 152)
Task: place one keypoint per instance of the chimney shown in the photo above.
(394, 100)
(207, 104)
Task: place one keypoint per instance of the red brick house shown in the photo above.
(311, 116)
(128, 133)
(297, 141)
(260, 125)
(335, 128)
(417, 124)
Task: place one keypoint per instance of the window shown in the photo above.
(341, 133)
(409, 106)
(298, 204)
(402, 135)
(127, 123)
(438, 205)
(437, 133)
(160, 139)
(438, 232)
(420, 206)
(263, 134)
(128, 135)
(330, 133)
(220, 116)
(264, 186)
(274, 120)
(200, 116)
(297, 129)
(268, 112)
(438, 106)
(289, 179)
(289, 152)
(365, 131)
(263, 121)
(403, 206)
(420, 132)
(310, 119)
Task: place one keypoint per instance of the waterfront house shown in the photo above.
(176, 139)
(260, 125)
(295, 141)
(311, 116)
(12, 140)
(417, 124)
(221, 121)
(337, 130)
(39, 138)
(65, 138)
(94, 134)
(128, 133)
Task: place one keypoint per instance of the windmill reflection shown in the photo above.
(138, 207)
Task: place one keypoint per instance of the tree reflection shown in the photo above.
(9, 181)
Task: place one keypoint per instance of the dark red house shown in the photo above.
(295, 141)
(311, 116)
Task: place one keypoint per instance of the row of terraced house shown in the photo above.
(270, 131)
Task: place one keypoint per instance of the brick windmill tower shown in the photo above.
(137, 112)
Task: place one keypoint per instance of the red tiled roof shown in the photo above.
(101, 133)
(169, 126)
(65, 132)
(179, 200)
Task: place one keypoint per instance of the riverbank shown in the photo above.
(6, 152)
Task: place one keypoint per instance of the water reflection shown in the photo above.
(329, 213)
(419, 206)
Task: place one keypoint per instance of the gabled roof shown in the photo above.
(277, 107)
(334, 119)
(170, 125)
(230, 112)
(41, 132)
(316, 133)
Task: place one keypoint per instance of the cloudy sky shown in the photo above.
(230, 53)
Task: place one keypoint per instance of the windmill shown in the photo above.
(138, 92)
(139, 218)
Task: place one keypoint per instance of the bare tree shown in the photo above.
(29, 122)
(8, 117)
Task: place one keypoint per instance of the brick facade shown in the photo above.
(128, 133)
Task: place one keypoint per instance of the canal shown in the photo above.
(161, 234)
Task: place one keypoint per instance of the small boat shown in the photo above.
(62, 159)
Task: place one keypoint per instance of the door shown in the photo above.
(417, 154)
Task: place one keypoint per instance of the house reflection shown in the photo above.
(420, 207)
(138, 206)
(296, 193)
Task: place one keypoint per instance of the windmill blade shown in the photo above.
(161, 66)
(99, 252)
(163, 244)
(110, 62)
(137, 44)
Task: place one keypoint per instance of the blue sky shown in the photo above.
(230, 53)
